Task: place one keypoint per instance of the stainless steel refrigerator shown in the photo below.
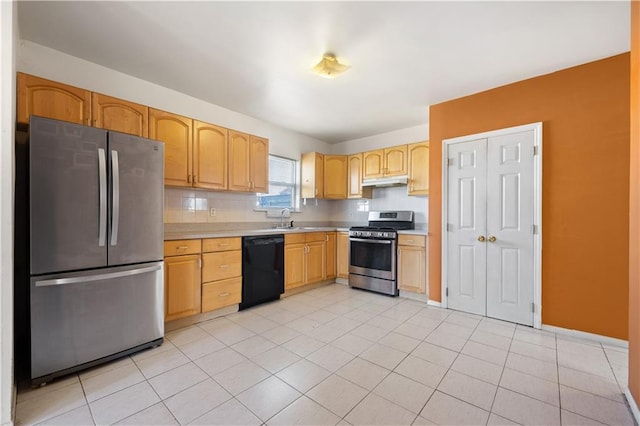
(96, 246)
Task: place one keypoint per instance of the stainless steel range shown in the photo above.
(373, 258)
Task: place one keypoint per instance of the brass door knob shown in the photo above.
(492, 239)
(481, 238)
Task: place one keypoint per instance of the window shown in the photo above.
(282, 184)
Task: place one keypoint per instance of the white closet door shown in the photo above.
(510, 210)
(466, 269)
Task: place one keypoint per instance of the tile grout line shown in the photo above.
(500, 378)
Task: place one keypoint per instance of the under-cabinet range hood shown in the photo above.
(386, 181)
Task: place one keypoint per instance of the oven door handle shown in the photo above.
(362, 240)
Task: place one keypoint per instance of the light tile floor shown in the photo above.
(335, 355)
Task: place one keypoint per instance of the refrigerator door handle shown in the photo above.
(102, 171)
(115, 213)
(98, 277)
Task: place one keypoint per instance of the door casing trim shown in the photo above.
(537, 207)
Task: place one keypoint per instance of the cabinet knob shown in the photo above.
(225, 294)
(492, 239)
(481, 238)
(224, 266)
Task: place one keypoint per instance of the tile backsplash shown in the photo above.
(190, 206)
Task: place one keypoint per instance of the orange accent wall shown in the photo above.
(634, 209)
(585, 189)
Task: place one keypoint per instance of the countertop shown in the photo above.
(190, 235)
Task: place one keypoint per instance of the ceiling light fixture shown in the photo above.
(329, 66)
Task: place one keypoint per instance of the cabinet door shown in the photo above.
(119, 115)
(294, 265)
(316, 261)
(219, 294)
(259, 164)
(312, 165)
(331, 255)
(411, 269)
(419, 168)
(335, 177)
(182, 289)
(175, 131)
(373, 164)
(395, 161)
(37, 96)
(221, 265)
(354, 177)
(342, 255)
(209, 156)
(238, 161)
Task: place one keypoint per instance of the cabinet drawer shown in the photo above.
(221, 244)
(180, 247)
(295, 238)
(411, 240)
(222, 293)
(315, 236)
(221, 265)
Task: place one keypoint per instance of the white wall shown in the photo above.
(394, 198)
(41, 61)
(397, 137)
(8, 38)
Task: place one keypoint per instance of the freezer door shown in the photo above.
(81, 317)
(68, 196)
(137, 199)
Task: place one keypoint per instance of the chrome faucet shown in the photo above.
(284, 213)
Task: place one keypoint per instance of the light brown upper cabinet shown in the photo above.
(248, 162)
(210, 146)
(312, 165)
(385, 162)
(119, 115)
(45, 98)
(335, 177)
(259, 164)
(354, 178)
(418, 168)
(176, 133)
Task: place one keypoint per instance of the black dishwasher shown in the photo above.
(262, 269)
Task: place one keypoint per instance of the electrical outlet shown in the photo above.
(212, 212)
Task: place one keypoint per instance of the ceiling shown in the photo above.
(255, 57)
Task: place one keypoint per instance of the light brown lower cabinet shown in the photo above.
(342, 254)
(218, 294)
(221, 273)
(331, 267)
(308, 258)
(182, 279)
(412, 263)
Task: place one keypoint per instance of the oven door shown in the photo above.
(373, 258)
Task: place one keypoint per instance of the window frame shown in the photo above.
(295, 197)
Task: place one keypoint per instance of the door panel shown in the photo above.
(80, 317)
(510, 211)
(137, 194)
(467, 218)
(65, 195)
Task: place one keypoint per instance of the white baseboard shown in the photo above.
(434, 303)
(343, 281)
(418, 297)
(633, 405)
(612, 341)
